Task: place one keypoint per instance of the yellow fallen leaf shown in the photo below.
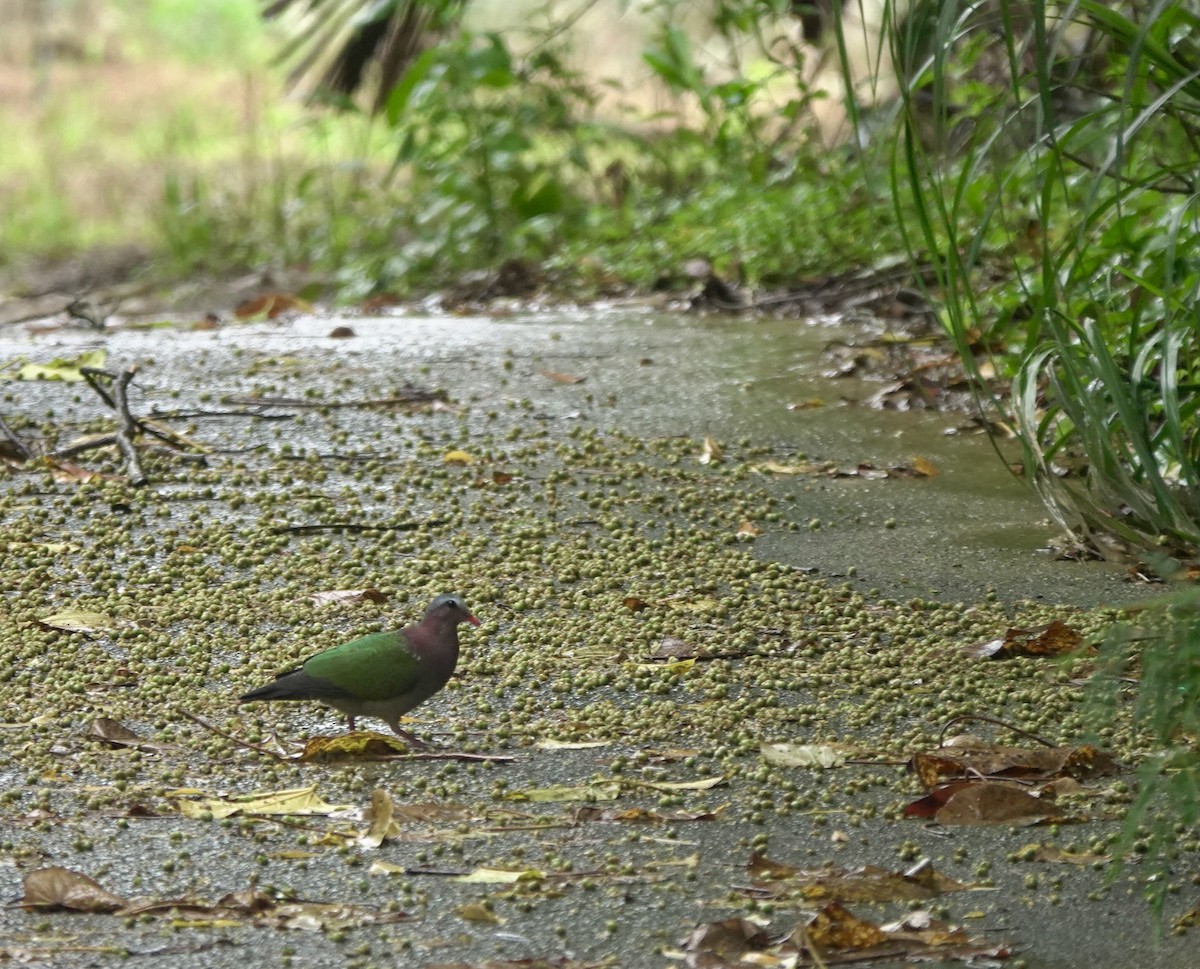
(701, 785)
(774, 467)
(474, 912)
(386, 868)
(381, 823)
(689, 861)
(457, 457)
(78, 621)
(560, 792)
(298, 800)
(748, 531)
(703, 604)
(499, 876)
(66, 370)
(678, 666)
(352, 746)
(803, 755)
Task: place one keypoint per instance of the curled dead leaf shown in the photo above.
(62, 888)
(711, 452)
(1054, 639)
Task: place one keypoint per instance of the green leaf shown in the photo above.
(60, 368)
(401, 95)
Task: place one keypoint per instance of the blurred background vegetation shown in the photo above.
(1037, 162)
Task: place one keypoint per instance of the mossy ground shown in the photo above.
(598, 546)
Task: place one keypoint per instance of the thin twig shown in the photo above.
(92, 375)
(191, 415)
(461, 755)
(231, 738)
(128, 429)
(89, 444)
(997, 723)
(406, 397)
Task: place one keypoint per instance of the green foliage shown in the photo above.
(198, 31)
(496, 155)
(493, 151)
(737, 133)
(1164, 646)
(491, 147)
(1076, 174)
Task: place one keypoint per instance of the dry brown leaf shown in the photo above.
(868, 883)
(62, 888)
(1053, 639)
(116, 733)
(271, 306)
(562, 378)
(747, 531)
(381, 825)
(835, 927)
(992, 803)
(969, 757)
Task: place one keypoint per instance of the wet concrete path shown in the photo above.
(560, 657)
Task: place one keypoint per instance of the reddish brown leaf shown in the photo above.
(992, 803)
(931, 803)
